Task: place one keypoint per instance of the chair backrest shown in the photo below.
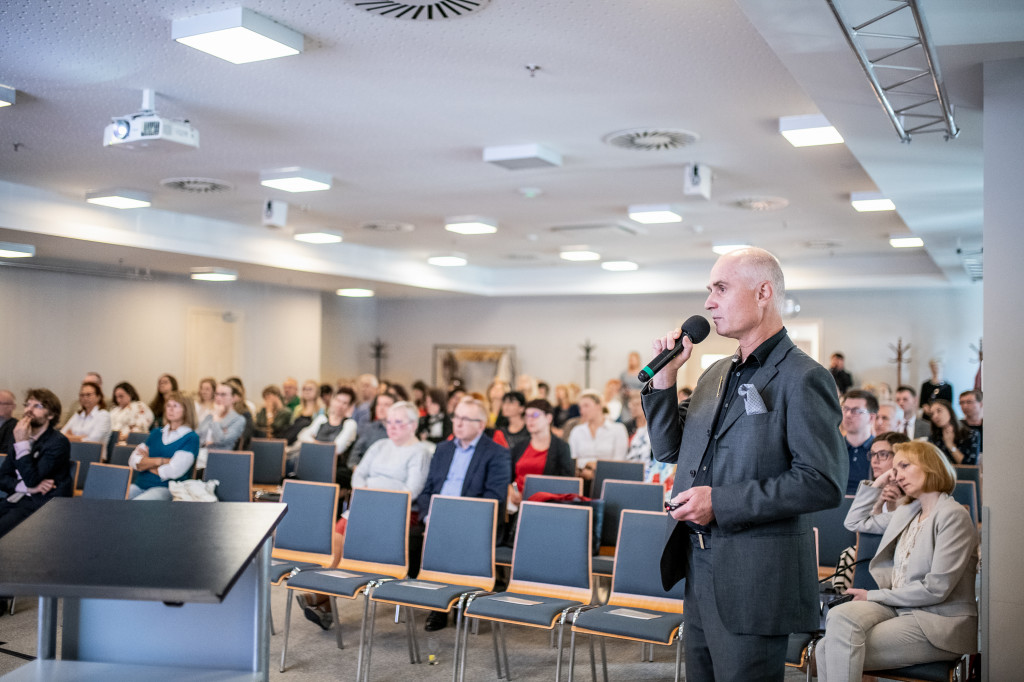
(306, 533)
(459, 543)
(551, 556)
(107, 482)
(268, 460)
(605, 469)
(136, 437)
(833, 537)
(636, 579)
(620, 495)
(75, 468)
(377, 533)
(867, 547)
(558, 485)
(120, 454)
(970, 472)
(86, 453)
(317, 462)
(966, 493)
(233, 471)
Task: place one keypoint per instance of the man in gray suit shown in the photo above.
(757, 446)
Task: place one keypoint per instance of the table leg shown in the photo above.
(262, 648)
(46, 639)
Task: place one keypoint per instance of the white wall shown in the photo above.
(54, 327)
(548, 331)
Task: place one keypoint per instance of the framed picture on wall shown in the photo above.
(475, 366)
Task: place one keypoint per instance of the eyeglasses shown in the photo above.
(396, 422)
(460, 419)
(535, 414)
(854, 410)
(881, 454)
(34, 406)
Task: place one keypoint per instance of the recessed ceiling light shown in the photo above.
(579, 254)
(237, 35)
(654, 214)
(471, 224)
(210, 274)
(14, 250)
(722, 249)
(119, 198)
(7, 95)
(521, 156)
(354, 292)
(906, 242)
(295, 179)
(871, 201)
(319, 237)
(448, 260)
(619, 265)
(808, 131)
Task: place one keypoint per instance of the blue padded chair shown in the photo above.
(268, 461)
(107, 482)
(376, 550)
(537, 483)
(619, 495)
(867, 547)
(550, 577)
(639, 608)
(970, 472)
(458, 559)
(966, 493)
(233, 471)
(833, 537)
(305, 536)
(136, 437)
(605, 469)
(85, 453)
(938, 671)
(120, 454)
(317, 462)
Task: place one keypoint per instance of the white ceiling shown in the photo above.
(399, 111)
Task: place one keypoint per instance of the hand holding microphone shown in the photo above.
(696, 329)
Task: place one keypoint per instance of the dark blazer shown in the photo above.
(769, 471)
(558, 462)
(50, 457)
(487, 475)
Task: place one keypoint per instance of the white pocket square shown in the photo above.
(752, 401)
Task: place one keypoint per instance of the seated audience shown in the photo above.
(495, 393)
(513, 408)
(542, 453)
(959, 443)
(435, 426)
(75, 407)
(398, 462)
(613, 399)
(906, 398)
(290, 391)
(565, 408)
(222, 429)
(936, 388)
(129, 414)
(971, 406)
(332, 427)
(527, 385)
(274, 418)
(37, 467)
(544, 391)
(419, 396)
(204, 399)
(169, 452)
(245, 409)
(924, 608)
(7, 421)
(326, 393)
(881, 462)
(366, 389)
(596, 436)
(640, 442)
(92, 423)
(372, 432)
(889, 417)
(164, 385)
(308, 408)
(859, 409)
(629, 378)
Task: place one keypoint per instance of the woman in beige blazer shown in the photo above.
(924, 609)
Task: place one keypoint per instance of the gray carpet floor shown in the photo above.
(313, 655)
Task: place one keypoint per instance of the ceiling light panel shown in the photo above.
(15, 250)
(724, 248)
(871, 201)
(655, 214)
(295, 179)
(808, 131)
(211, 274)
(448, 260)
(579, 255)
(119, 198)
(906, 242)
(353, 292)
(320, 237)
(522, 156)
(471, 225)
(237, 35)
(619, 265)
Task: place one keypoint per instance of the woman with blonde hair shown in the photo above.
(924, 609)
(595, 437)
(496, 391)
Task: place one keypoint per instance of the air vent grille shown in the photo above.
(197, 185)
(761, 203)
(431, 10)
(651, 139)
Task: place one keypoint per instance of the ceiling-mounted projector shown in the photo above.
(146, 129)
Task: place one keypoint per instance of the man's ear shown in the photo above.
(764, 292)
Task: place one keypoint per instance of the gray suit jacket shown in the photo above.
(770, 470)
(939, 587)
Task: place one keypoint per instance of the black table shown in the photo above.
(146, 583)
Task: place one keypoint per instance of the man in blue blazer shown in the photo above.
(757, 447)
(468, 465)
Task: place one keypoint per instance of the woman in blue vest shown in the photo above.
(169, 453)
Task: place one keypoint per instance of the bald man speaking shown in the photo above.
(757, 447)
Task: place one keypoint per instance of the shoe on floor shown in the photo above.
(314, 614)
(437, 620)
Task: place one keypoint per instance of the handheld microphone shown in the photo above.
(696, 327)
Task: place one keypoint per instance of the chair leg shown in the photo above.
(679, 655)
(362, 634)
(504, 650)
(572, 654)
(604, 660)
(458, 629)
(287, 623)
(337, 622)
(410, 629)
(12, 609)
(593, 663)
(561, 633)
(362, 674)
(497, 656)
(465, 646)
(270, 614)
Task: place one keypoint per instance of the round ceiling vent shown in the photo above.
(651, 139)
(197, 185)
(387, 226)
(762, 203)
(422, 10)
